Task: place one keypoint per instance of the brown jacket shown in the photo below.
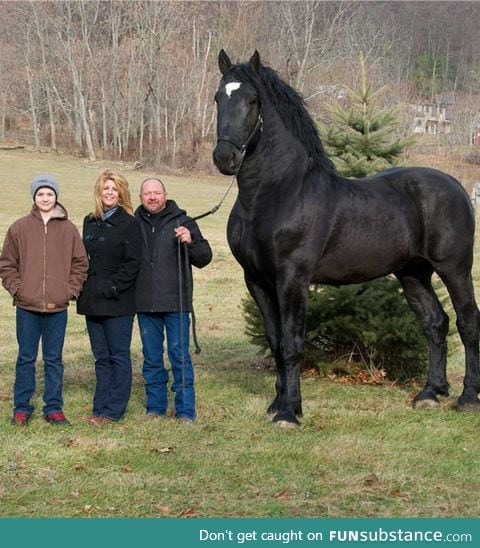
(43, 266)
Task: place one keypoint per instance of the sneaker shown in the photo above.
(185, 420)
(56, 418)
(96, 420)
(20, 419)
(151, 417)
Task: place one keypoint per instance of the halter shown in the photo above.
(243, 150)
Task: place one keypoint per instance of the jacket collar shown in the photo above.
(118, 217)
(59, 212)
(170, 211)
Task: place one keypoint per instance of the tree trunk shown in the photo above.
(46, 78)
(33, 109)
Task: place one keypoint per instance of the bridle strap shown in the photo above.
(230, 140)
(243, 148)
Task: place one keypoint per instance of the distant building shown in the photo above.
(476, 134)
(475, 195)
(433, 117)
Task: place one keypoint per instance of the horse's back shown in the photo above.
(379, 224)
(430, 185)
(432, 196)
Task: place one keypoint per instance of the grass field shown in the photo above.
(361, 451)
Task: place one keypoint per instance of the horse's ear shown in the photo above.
(255, 62)
(224, 62)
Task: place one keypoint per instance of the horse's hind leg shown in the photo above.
(461, 292)
(421, 297)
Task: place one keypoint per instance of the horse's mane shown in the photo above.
(290, 106)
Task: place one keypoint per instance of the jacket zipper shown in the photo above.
(152, 250)
(45, 269)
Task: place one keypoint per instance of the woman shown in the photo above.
(113, 241)
(43, 266)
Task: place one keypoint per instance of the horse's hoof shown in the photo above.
(425, 404)
(285, 420)
(286, 424)
(468, 407)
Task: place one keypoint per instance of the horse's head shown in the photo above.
(238, 114)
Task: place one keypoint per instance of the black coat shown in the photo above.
(114, 251)
(158, 282)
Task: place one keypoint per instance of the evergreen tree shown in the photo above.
(369, 325)
(360, 139)
(361, 142)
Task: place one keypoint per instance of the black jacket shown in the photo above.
(158, 282)
(114, 252)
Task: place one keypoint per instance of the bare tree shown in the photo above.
(39, 27)
(136, 79)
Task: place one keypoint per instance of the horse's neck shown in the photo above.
(275, 166)
(278, 155)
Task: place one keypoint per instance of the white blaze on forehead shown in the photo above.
(231, 86)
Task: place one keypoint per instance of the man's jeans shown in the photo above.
(176, 325)
(50, 328)
(110, 338)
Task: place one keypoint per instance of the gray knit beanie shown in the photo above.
(44, 181)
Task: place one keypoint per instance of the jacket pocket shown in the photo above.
(30, 294)
(57, 294)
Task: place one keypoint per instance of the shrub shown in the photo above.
(369, 323)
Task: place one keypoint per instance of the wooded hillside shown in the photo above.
(135, 80)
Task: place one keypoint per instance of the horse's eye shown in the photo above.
(252, 101)
(216, 97)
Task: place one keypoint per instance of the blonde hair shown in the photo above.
(121, 183)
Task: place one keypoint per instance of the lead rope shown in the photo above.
(211, 211)
(214, 209)
(189, 286)
(180, 298)
(243, 150)
(180, 278)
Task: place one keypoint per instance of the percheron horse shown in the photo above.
(296, 222)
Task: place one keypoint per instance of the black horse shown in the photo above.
(297, 222)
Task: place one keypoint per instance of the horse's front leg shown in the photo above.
(267, 303)
(292, 305)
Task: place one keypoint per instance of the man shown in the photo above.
(172, 242)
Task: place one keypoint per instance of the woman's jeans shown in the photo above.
(110, 338)
(176, 325)
(50, 328)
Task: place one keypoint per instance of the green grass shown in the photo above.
(361, 451)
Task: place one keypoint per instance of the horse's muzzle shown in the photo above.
(227, 158)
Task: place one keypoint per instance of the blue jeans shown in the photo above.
(50, 328)
(176, 325)
(110, 338)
